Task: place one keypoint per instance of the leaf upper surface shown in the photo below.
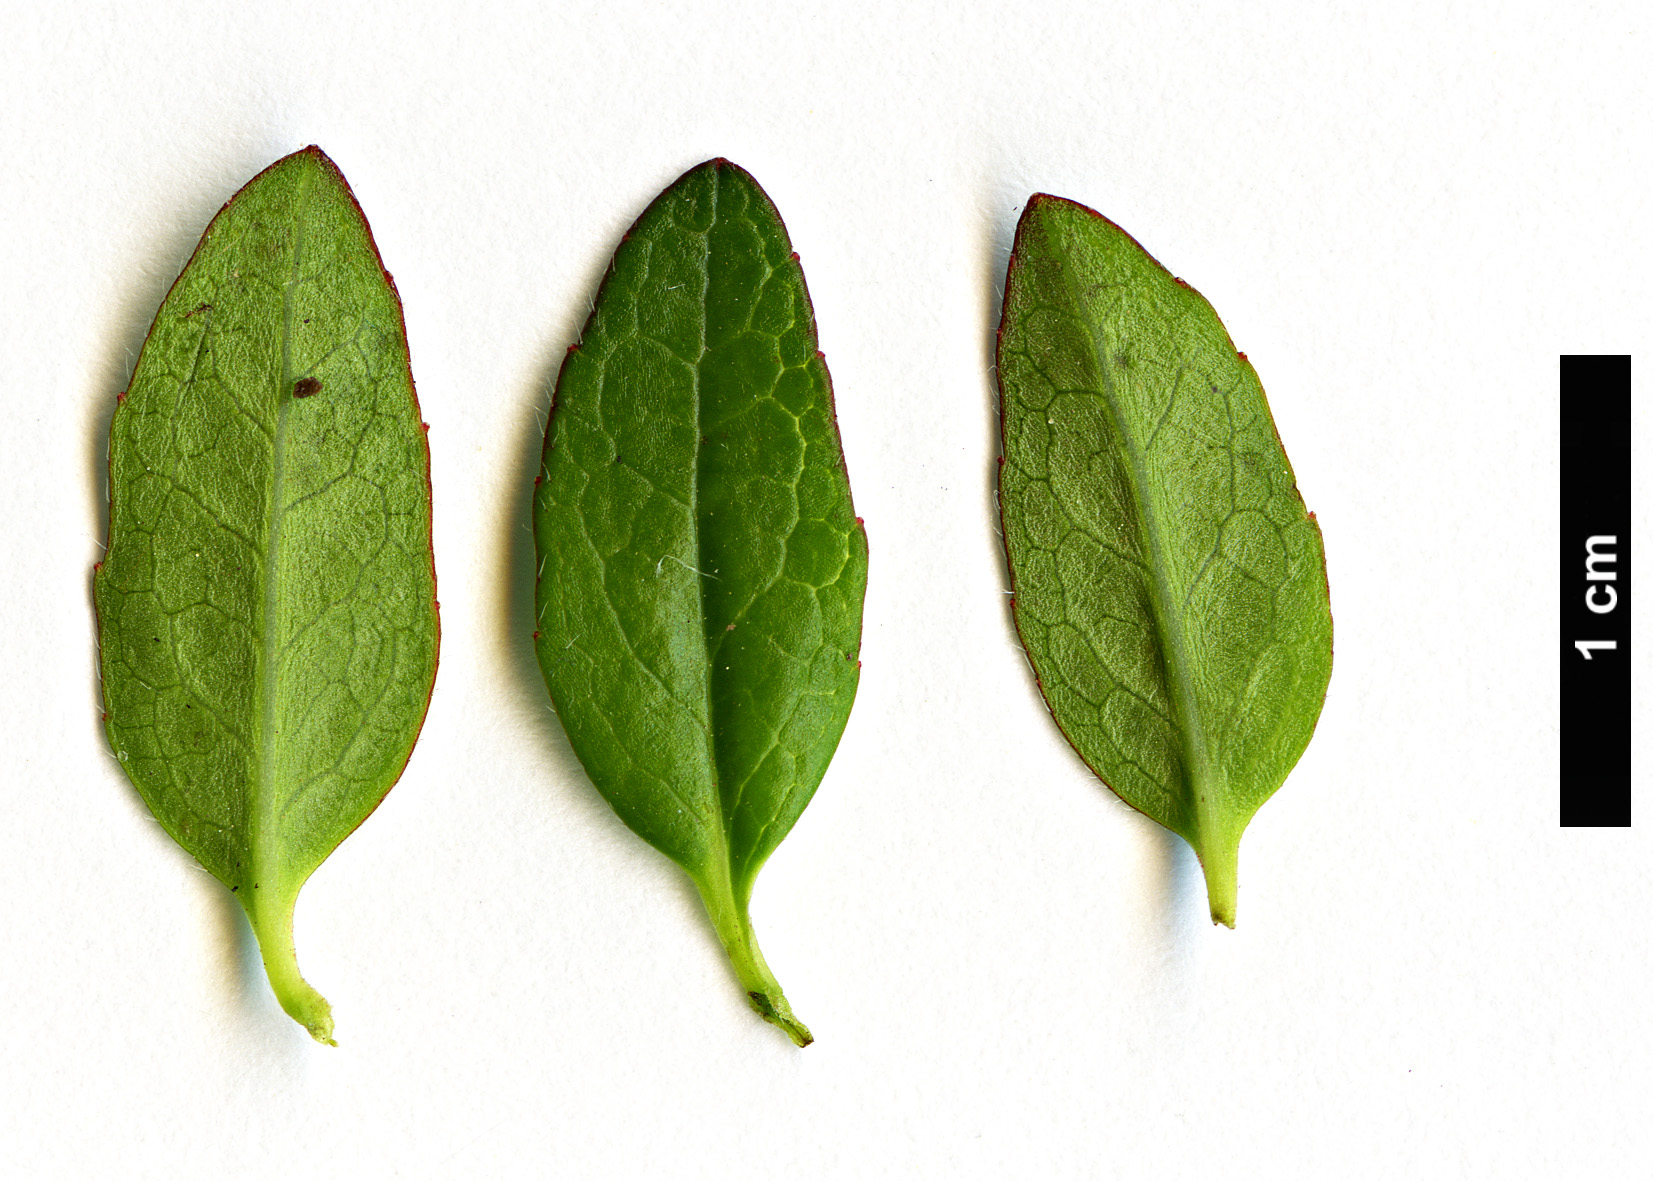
(267, 605)
(1169, 585)
(701, 566)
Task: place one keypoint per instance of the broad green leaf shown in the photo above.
(267, 606)
(701, 567)
(1170, 587)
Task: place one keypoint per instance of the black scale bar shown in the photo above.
(1595, 592)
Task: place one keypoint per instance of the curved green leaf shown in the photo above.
(267, 606)
(1170, 587)
(701, 567)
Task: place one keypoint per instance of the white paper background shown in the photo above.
(1404, 213)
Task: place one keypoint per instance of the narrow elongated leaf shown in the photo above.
(701, 567)
(1170, 587)
(267, 606)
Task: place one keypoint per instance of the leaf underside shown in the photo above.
(267, 606)
(1169, 585)
(701, 568)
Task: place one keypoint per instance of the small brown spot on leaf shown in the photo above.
(305, 386)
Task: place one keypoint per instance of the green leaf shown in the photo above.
(267, 606)
(1170, 587)
(701, 567)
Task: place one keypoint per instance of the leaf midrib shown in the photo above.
(1183, 702)
(718, 854)
(262, 849)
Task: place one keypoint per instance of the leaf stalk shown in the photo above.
(272, 923)
(734, 930)
(1220, 859)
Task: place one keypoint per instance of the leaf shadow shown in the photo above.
(243, 964)
(1179, 880)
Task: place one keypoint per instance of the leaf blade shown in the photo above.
(267, 605)
(701, 566)
(1169, 584)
